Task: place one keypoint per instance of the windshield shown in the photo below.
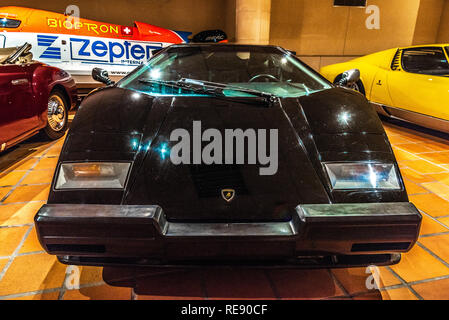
(9, 23)
(264, 69)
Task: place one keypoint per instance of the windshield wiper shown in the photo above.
(212, 88)
(15, 55)
(169, 83)
(222, 86)
(303, 86)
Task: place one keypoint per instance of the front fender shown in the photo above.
(45, 79)
(367, 73)
(332, 71)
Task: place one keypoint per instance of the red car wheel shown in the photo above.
(57, 115)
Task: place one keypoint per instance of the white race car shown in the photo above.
(78, 45)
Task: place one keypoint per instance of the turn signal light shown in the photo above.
(93, 175)
(92, 170)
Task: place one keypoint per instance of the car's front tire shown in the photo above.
(57, 115)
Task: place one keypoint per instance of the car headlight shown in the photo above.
(92, 175)
(362, 175)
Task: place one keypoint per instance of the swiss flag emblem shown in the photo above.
(126, 31)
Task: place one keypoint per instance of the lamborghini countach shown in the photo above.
(223, 154)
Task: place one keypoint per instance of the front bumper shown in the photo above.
(323, 235)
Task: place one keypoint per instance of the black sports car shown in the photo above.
(226, 155)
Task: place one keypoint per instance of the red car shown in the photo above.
(33, 97)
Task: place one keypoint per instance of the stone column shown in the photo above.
(253, 21)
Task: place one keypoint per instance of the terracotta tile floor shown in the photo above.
(27, 272)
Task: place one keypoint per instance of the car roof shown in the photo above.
(231, 45)
(426, 46)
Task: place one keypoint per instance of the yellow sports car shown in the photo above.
(409, 83)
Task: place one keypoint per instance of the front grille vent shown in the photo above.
(209, 180)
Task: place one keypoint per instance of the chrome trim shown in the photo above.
(379, 108)
(56, 113)
(419, 118)
(412, 117)
(19, 82)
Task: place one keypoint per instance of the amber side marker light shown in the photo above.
(92, 175)
(92, 170)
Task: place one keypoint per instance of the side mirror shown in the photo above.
(102, 76)
(349, 77)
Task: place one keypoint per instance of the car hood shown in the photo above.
(116, 124)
